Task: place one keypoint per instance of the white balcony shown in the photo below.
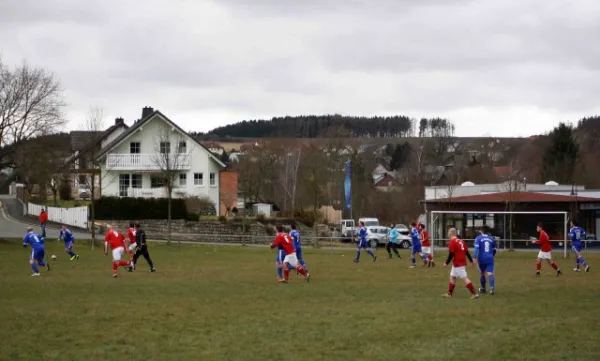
(153, 193)
(147, 162)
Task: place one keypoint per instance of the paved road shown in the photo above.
(16, 227)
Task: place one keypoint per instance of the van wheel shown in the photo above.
(405, 244)
(373, 243)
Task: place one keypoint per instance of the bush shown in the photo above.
(191, 217)
(201, 206)
(64, 190)
(222, 219)
(261, 218)
(269, 231)
(139, 208)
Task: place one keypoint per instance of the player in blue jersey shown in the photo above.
(416, 247)
(67, 236)
(37, 251)
(297, 245)
(363, 243)
(577, 234)
(392, 244)
(485, 250)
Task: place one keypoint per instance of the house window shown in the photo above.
(156, 182)
(165, 147)
(82, 179)
(182, 180)
(135, 148)
(136, 181)
(213, 179)
(198, 179)
(124, 181)
(182, 148)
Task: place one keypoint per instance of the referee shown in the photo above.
(142, 247)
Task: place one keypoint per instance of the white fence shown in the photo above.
(77, 216)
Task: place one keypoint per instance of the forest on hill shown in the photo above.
(318, 126)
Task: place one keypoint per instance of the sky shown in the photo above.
(494, 67)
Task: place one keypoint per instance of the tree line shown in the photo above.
(316, 126)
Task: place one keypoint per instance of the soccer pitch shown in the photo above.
(223, 303)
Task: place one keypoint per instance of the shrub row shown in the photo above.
(139, 208)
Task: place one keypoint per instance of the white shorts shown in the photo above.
(291, 259)
(545, 255)
(426, 250)
(132, 246)
(458, 272)
(118, 253)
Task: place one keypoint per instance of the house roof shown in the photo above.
(80, 139)
(516, 197)
(143, 121)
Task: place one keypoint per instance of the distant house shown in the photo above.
(214, 147)
(384, 182)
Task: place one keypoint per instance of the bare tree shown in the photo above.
(289, 178)
(512, 185)
(31, 103)
(170, 158)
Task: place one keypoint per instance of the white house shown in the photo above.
(132, 164)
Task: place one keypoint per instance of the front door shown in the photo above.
(124, 183)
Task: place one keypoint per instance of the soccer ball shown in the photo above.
(53, 256)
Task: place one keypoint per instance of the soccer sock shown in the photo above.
(303, 264)
(471, 288)
(42, 263)
(492, 282)
(482, 281)
(279, 272)
(430, 257)
(538, 266)
(286, 274)
(451, 288)
(413, 260)
(582, 261)
(71, 253)
(358, 255)
(301, 270)
(577, 263)
(115, 266)
(371, 253)
(124, 263)
(35, 268)
(554, 265)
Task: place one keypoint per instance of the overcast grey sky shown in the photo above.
(503, 68)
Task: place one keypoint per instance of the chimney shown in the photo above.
(119, 121)
(146, 111)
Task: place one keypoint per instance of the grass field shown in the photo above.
(222, 303)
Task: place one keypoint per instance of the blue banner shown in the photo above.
(347, 186)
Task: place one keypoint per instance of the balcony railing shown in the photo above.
(153, 193)
(147, 161)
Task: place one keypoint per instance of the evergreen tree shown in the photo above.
(561, 157)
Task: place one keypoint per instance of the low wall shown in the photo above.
(205, 231)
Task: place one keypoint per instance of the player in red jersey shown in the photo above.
(426, 244)
(132, 240)
(284, 241)
(545, 251)
(458, 252)
(117, 244)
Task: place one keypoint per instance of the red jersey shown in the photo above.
(43, 217)
(426, 242)
(459, 249)
(544, 241)
(115, 239)
(283, 241)
(131, 235)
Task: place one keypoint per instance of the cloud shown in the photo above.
(206, 63)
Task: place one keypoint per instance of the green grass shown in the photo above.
(222, 303)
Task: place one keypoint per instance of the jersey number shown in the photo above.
(486, 247)
(36, 239)
(462, 246)
(286, 239)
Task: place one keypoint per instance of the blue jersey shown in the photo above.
(415, 238)
(393, 234)
(66, 236)
(362, 234)
(34, 239)
(485, 249)
(577, 234)
(296, 240)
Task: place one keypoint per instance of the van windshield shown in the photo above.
(371, 223)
